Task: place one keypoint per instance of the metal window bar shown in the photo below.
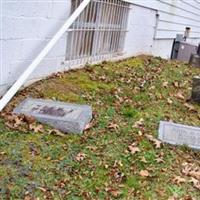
(99, 32)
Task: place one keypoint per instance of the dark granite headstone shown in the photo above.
(196, 89)
(194, 60)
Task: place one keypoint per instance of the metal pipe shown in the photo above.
(21, 80)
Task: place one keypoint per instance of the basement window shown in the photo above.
(99, 31)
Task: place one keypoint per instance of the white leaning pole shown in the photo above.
(21, 80)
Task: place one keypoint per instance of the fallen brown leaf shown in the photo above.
(178, 180)
(17, 121)
(56, 132)
(88, 126)
(169, 101)
(42, 189)
(190, 107)
(159, 160)
(114, 192)
(165, 84)
(13, 121)
(2, 153)
(180, 96)
(196, 183)
(176, 84)
(144, 173)
(191, 170)
(172, 198)
(144, 160)
(156, 142)
(133, 149)
(36, 128)
(80, 156)
(113, 126)
(29, 119)
(28, 197)
(139, 123)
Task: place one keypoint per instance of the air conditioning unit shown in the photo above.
(183, 50)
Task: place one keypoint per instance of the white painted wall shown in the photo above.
(142, 31)
(153, 24)
(141, 25)
(26, 26)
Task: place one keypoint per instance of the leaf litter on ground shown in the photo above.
(119, 155)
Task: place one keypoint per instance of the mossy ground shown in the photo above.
(39, 165)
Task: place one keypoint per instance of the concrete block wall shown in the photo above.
(26, 27)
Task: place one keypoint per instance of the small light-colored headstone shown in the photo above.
(66, 117)
(178, 134)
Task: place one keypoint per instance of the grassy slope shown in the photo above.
(45, 166)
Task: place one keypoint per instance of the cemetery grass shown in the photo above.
(116, 158)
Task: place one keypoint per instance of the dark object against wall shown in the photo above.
(195, 60)
(198, 50)
(183, 50)
(196, 89)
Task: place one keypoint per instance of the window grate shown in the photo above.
(99, 31)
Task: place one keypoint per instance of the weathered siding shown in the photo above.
(174, 16)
